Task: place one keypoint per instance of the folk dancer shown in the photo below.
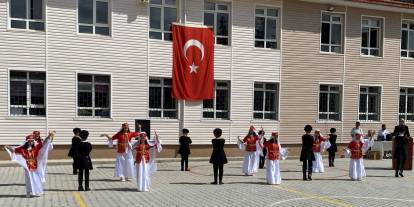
(32, 157)
(319, 144)
(250, 144)
(356, 148)
(84, 163)
(184, 149)
(142, 162)
(306, 155)
(264, 150)
(333, 148)
(274, 153)
(124, 164)
(401, 140)
(75, 142)
(154, 150)
(218, 156)
(38, 139)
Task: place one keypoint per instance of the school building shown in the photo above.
(279, 64)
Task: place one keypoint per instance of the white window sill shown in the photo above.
(266, 49)
(331, 53)
(263, 121)
(26, 31)
(159, 119)
(371, 56)
(206, 120)
(406, 58)
(25, 118)
(370, 122)
(91, 119)
(97, 36)
(321, 121)
(163, 41)
(222, 46)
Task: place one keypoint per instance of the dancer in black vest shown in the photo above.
(306, 154)
(184, 150)
(85, 163)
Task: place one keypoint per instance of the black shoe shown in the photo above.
(221, 183)
(396, 174)
(333, 165)
(80, 188)
(214, 183)
(401, 174)
(309, 177)
(182, 169)
(75, 172)
(187, 169)
(305, 179)
(87, 189)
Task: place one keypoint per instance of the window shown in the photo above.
(406, 109)
(266, 101)
(162, 14)
(331, 32)
(330, 102)
(93, 17)
(266, 27)
(218, 108)
(371, 36)
(217, 15)
(161, 103)
(369, 103)
(27, 14)
(27, 93)
(94, 94)
(407, 40)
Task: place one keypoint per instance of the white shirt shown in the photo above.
(355, 131)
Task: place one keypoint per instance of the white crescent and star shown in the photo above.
(199, 45)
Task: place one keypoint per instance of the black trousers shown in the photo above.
(75, 165)
(307, 165)
(218, 171)
(184, 162)
(80, 176)
(400, 165)
(331, 157)
(262, 162)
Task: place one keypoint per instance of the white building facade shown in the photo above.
(95, 64)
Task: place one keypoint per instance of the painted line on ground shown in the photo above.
(311, 196)
(79, 199)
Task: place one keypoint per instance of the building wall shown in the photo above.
(131, 59)
(304, 68)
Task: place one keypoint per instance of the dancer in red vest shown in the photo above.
(32, 157)
(250, 144)
(274, 154)
(124, 164)
(142, 162)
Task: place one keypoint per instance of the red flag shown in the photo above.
(193, 63)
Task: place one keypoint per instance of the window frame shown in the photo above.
(277, 18)
(229, 5)
(342, 15)
(93, 108)
(408, 22)
(162, 85)
(214, 109)
(380, 38)
(27, 20)
(277, 101)
(341, 97)
(28, 93)
(406, 94)
(162, 31)
(94, 24)
(379, 102)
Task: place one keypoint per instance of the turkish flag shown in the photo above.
(193, 63)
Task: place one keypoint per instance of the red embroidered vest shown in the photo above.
(356, 149)
(272, 150)
(250, 142)
(142, 151)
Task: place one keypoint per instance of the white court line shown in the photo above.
(359, 197)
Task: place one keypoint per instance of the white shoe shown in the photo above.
(122, 179)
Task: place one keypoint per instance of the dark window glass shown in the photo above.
(404, 39)
(18, 9)
(170, 16)
(102, 30)
(155, 18)
(39, 26)
(18, 24)
(101, 12)
(36, 9)
(260, 28)
(222, 24)
(86, 29)
(325, 33)
(85, 11)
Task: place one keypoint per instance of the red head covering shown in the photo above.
(252, 128)
(36, 133)
(125, 124)
(29, 137)
(275, 134)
